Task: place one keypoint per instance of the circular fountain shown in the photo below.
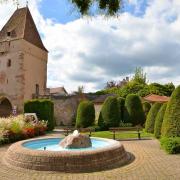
(68, 154)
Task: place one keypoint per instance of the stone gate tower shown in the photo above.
(23, 62)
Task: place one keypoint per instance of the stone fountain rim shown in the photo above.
(18, 156)
(19, 148)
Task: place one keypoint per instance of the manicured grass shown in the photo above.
(120, 135)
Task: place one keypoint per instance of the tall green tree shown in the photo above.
(109, 115)
(139, 76)
(85, 114)
(146, 108)
(159, 121)
(134, 110)
(171, 122)
(121, 103)
(150, 121)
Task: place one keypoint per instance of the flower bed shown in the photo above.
(17, 128)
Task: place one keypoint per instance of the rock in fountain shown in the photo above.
(76, 140)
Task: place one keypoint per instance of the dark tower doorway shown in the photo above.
(5, 107)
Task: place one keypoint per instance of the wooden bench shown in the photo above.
(68, 131)
(85, 130)
(134, 130)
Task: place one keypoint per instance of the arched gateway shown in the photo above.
(5, 107)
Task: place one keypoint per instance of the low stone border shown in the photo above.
(67, 161)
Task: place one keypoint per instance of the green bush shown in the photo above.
(159, 121)
(134, 110)
(171, 122)
(85, 114)
(146, 108)
(140, 89)
(44, 110)
(149, 125)
(109, 115)
(101, 122)
(121, 103)
(171, 145)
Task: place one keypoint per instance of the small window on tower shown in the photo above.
(8, 34)
(9, 63)
(37, 90)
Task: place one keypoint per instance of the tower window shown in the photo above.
(37, 90)
(8, 34)
(9, 63)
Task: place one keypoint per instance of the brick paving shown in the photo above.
(150, 163)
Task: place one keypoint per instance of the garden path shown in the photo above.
(151, 163)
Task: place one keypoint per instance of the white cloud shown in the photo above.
(91, 52)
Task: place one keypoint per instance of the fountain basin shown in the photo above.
(30, 154)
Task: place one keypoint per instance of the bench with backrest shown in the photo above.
(133, 130)
(86, 130)
(67, 131)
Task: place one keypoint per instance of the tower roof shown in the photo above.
(21, 26)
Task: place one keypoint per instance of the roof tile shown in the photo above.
(21, 26)
(156, 98)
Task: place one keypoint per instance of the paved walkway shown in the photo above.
(150, 163)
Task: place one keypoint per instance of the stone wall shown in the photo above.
(65, 109)
(22, 67)
(97, 110)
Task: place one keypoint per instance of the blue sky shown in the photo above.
(112, 49)
(92, 51)
(62, 11)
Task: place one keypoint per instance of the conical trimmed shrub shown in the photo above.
(121, 103)
(159, 121)
(109, 115)
(134, 110)
(146, 108)
(150, 121)
(171, 122)
(85, 114)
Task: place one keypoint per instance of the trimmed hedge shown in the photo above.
(85, 114)
(134, 110)
(44, 110)
(150, 121)
(121, 103)
(159, 121)
(146, 108)
(109, 115)
(171, 122)
(171, 145)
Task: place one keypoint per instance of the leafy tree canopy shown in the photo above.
(138, 85)
(139, 76)
(107, 7)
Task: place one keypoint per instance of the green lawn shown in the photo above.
(120, 135)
